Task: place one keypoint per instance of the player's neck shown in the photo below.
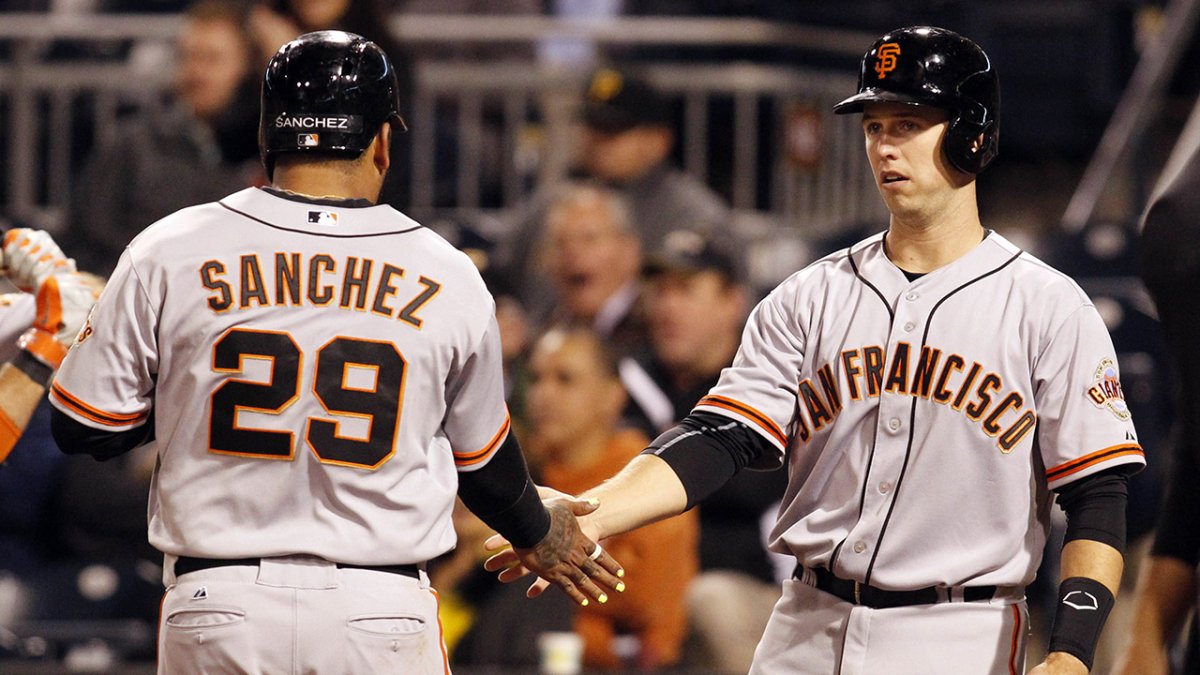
(322, 183)
(921, 243)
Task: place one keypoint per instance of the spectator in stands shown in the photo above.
(575, 401)
(592, 258)
(202, 147)
(696, 308)
(276, 22)
(627, 142)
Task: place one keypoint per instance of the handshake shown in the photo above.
(35, 264)
(569, 556)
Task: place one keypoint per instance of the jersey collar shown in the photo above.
(320, 201)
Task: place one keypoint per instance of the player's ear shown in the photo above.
(381, 148)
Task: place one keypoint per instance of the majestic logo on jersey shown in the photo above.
(1106, 391)
(324, 218)
(348, 123)
(201, 593)
(886, 58)
(308, 140)
(946, 379)
(1082, 600)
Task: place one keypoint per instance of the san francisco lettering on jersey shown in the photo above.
(944, 379)
(359, 284)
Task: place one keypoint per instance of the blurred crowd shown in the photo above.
(621, 294)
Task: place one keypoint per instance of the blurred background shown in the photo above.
(114, 113)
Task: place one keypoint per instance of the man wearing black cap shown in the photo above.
(626, 145)
(628, 141)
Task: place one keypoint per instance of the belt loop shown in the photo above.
(857, 592)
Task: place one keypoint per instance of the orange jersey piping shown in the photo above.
(764, 422)
(470, 458)
(94, 414)
(1079, 464)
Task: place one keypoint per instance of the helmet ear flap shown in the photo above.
(972, 139)
(969, 146)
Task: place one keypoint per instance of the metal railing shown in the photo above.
(508, 119)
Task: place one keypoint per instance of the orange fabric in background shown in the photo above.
(659, 560)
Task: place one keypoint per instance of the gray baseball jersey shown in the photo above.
(924, 422)
(317, 374)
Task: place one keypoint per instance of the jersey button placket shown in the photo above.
(859, 547)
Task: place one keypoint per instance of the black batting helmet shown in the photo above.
(933, 66)
(327, 92)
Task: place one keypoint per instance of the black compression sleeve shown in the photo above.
(1095, 508)
(705, 450)
(74, 438)
(504, 497)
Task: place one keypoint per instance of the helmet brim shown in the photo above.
(855, 103)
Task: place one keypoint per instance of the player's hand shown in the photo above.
(30, 256)
(565, 557)
(63, 303)
(1060, 663)
(506, 560)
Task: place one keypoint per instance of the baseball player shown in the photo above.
(37, 325)
(931, 389)
(321, 377)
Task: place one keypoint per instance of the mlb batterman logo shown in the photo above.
(323, 218)
(308, 140)
(1106, 391)
(886, 58)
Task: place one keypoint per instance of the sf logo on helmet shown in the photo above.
(886, 55)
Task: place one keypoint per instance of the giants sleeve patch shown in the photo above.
(1106, 392)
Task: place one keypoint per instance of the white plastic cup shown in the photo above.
(561, 653)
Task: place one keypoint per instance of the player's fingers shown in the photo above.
(495, 543)
(539, 586)
(501, 561)
(590, 588)
(581, 507)
(513, 574)
(564, 582)
(602, 576)
(610, 564)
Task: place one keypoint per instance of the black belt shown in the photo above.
(858, 593)
(185, 564)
